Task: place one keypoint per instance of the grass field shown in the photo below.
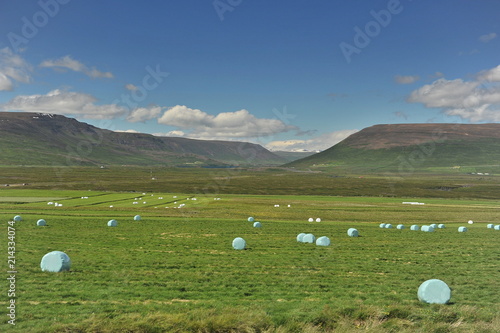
(175, 270)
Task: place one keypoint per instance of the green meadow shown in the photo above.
(176, 271)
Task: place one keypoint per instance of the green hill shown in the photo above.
(410, 147)
(47, 139)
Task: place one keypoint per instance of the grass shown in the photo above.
(175, 270)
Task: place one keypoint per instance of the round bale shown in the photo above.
(323, 241)
(441, 226)
(239, 243)
(112, 223)
(308, 238)
(41, 223)
(400, 226)
(310, 219)
(250, 219)
(318, 220)
(388, 226)
(257, 225)
(462, 229)
(470, 222)
(55, 261)
(18, 218)
(137, 218)
(382, 225)
(497, 227)
(414, 227)
(300, 237)
(427, 228)
(352, 232)
(434, 291)
(434, 225)
(490, 226)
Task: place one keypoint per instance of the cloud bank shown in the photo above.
(13, 69)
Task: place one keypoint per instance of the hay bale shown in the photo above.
(388, 226)
(400, 226)
(318, 220)
(250, 219)
(434, 225)
(382, 225)
(300, 237)
(352, 232)
(310, 219)
(239, 243)
(470, 222)
(462, 229)
(497, 227)
(112, 223)
(490, 226)
(18, 218)
(415, 227)
(55, 261)
(41, 223)
(323, 241)
(427, 228)
(137, 218)
(308, 238)
(441, 226)
(434, 291)
(257, 225)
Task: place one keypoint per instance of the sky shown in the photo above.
(289, 75)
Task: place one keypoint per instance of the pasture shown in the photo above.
(175, 270)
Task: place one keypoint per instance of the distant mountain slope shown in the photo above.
(46, 139)
(411, 146)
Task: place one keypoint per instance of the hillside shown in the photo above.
(46, 139)
(407, 147)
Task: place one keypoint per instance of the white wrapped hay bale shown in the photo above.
(18, 218)
(388, 226)
(239, 243)
(257, 225)
(137, 218)
(310, 219)
(41, 223)
(352, 232)
(441, 226)
(415, 227)
(434, 225)
(250, 219)
(382, 225)
(427, 228)
(323, 241)
(318, 220)
(470, 222)
(300, 237)
(462, 229)
(434, 291)
(112, 223)
(497, 227)
(55, 261)
(490, 226)
(400, 226)
(308, 238)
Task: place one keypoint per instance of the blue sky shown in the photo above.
(289, 75)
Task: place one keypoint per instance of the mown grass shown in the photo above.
(175, 271)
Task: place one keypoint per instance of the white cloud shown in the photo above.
(406, 79)
(144, 114)
(171, 133)
(127, 131)
(66, 103)
(491, 75)
(488, 37)
(319, 143)
(12, 68)
(470, 100)
(131, 87)
(238, 124)
(67, 62)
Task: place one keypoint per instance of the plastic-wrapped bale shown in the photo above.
(388, 226)
(414, 227)
(250, 219)
(41, 223)
(318, 220)
(55, 261)
(308, 238)
(310, 219)
(462, 229)
(470, 222)
(18, 218)
(137, 218)
(352, 232)
(434, 225)
(497, 227)
(239, 243)
(490, 226)
(382, 225)
(112, 223)
(300, 237)
(427, 228)
(434, 291)
(323, 241)
(400, 226)
(441, 226)
(257, 225)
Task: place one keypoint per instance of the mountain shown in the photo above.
(49, 139)
(407, 147)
